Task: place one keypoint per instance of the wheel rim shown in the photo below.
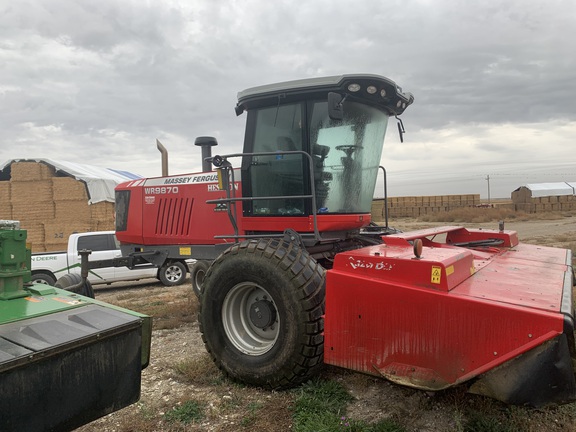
(40, 281)
(173, 273)
(250, 319)
(199, 278)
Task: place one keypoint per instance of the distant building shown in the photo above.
(537, 197)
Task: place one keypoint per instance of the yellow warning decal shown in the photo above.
(436, 275)
(185, 251)
(34, 299)
(449, 270)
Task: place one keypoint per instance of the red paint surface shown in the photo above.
(494, 305)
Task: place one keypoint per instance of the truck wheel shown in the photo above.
(43, 278)
(172, 273)
(72, 282)
(261, 313)
(197, 275)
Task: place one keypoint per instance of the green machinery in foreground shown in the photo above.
(65, 359)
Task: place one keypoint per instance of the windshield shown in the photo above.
(347, 155)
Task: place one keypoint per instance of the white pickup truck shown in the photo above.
(47, 267)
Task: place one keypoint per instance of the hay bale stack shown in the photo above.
(5, 204)
(49, 207)
(68, 189)
(31, 171)
(56, 233)
(415, 206)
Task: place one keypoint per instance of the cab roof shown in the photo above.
(372, 89)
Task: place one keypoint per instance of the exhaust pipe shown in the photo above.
(206, 143)
(164, 153)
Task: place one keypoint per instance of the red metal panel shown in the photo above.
(173, 210)
(430, 338)
(438, 268)
(326, 223)
(528, 275)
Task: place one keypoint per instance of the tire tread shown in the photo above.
(308, 280)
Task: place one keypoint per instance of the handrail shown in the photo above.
(235, 199)
(385, 196)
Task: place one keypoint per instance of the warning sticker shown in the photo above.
(67, 300)
(449, 270)
(185, 251)
(34, 299)
(436, 275)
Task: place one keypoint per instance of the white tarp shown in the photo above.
(551, 189)
(99, 181)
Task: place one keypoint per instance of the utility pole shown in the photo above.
(488, 180)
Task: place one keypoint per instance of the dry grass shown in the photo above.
(487, 214)
(169, 310)
(200, 370)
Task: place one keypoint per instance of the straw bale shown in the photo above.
(4, 191)
(77, 210)
(30, 171)
(5, 210)
(507, 206)
(528, 208)
(58, 232)
(47, 172)
(36, 248)
(32, 210)
(107, 225)
(68, 189)
(35, 233)
(102, 211)
(34, 190)
(56, 247)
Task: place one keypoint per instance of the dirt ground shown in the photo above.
(375, 399)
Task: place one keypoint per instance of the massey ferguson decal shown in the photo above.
(183, 179)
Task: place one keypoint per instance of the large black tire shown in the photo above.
(172, 273)
(261, 313)
(71, 282)
(197, 274)
(43, 278)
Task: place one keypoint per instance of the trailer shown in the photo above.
(293, 274)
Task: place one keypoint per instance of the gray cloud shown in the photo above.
(98, 82)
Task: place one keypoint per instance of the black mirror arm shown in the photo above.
(401, 130)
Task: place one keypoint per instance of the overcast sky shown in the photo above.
(99, 81)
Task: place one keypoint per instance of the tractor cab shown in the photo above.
(312, 150)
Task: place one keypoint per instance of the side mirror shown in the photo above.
(335, 106)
